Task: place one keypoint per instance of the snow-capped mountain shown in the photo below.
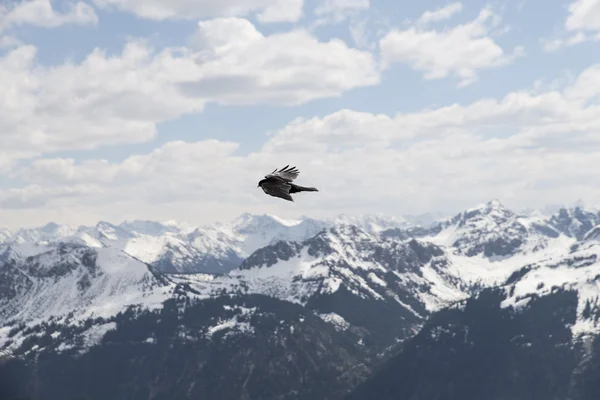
(574, 222)
(539, 332)
(372, 223)
(349, 278)
(372, 283)
(180, 248)
(490, 230)
(575, 270)
(44, 234)
(46, 281)
(175, 247)
(340, 273)
(256, 231)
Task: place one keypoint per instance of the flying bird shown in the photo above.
(279, 183)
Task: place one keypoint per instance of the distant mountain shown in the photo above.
(353, 279)
(371, 223)
(535, 336)
(180, 248)
(489, 230)
(269, 308)
(494, 231)
(361, 295)
(574, 222)
(172, 247)
(46, 281)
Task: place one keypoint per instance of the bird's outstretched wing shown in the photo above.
(277, 188)
(286, 173)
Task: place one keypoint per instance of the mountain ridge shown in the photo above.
(376, 287)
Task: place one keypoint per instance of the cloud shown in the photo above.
(35, 196)
(269, 10)
(583, 15)
(441, 14)
(9, 41)
(337, 11)
(40, 13)
(554, 45)
(242, 66)
(282, 11)
(587, 85)
(460, 51)
(524, 148)
(115, 99)
(581, 25)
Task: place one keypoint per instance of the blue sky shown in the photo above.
(187, 133)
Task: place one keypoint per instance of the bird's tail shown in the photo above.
(297, 188)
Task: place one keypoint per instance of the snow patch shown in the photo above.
(336, 320)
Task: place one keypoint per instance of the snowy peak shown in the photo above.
(574, 222)
(412, 274)
(5, 235)
(151, 228)
(48, 233)
(256, 231)
(55, 230)
(175, 247)
(107, 231)
(372, 223)
(251, 223)
(491, 212)
(55, 281)
(492, 230)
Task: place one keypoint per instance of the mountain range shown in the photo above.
(173, 247)
(266, 308)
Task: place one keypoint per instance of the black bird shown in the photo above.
(279, 183)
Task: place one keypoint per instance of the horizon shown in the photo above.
(114, 111)
(435, 216)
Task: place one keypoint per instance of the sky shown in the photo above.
(151, 109)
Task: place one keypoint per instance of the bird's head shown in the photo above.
(261, 182)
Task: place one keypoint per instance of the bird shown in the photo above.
(279, 183)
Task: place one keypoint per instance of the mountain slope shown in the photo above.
(248, 347)
(484, 351)
(492, 230)
(574, 222)
(176, 248)
(73, 283)
(298, 304)
(536, 336)
(381, 290)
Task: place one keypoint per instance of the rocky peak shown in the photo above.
(574, 222)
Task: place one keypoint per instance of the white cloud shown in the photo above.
(359, 34)
(582, 25)
(556, 44)
(587, 85)
(282, 11)
(441, 14)
(461, 50)
(270, 10)
(8, 41)
(524, 148)
(40, 13)
(583, 15)
(336, 11)
(35, 196)
(120, 98)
